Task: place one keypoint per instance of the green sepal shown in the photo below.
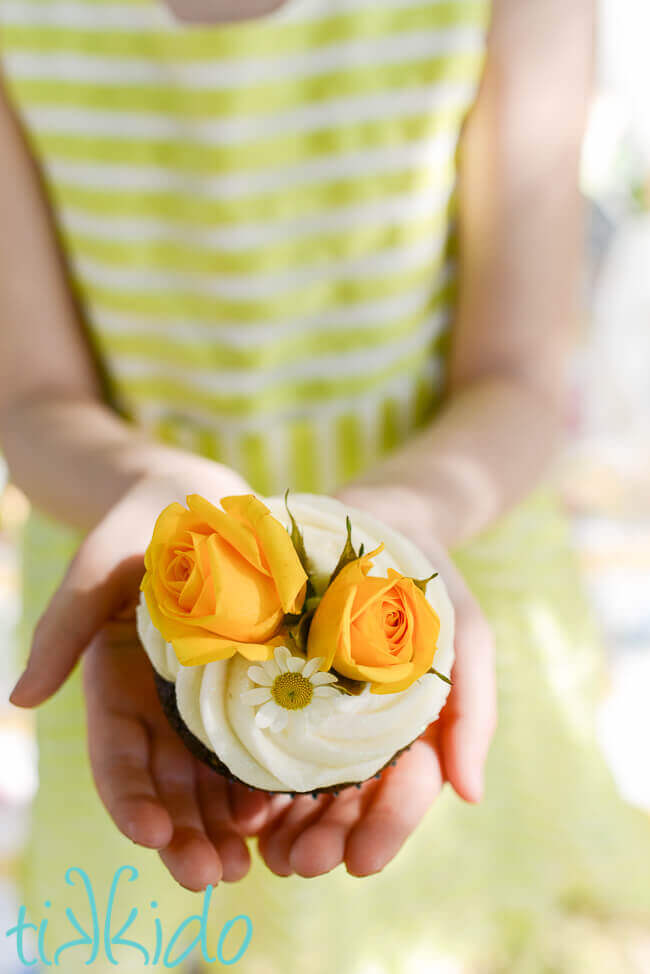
(352, 687)
(422, 582)
(298, 625)
(298, 543)
(298, 634)
(297, 539)
(348, 554)
(319, 582)
(441, 676)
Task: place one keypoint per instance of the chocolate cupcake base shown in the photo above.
(167, 696)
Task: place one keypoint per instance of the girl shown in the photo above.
(334, 246)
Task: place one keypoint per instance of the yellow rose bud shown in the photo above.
(219, 582)
(382, 631)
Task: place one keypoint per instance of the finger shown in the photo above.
(469, 717)
(276, 840)
(219, 826)
(404, 794)
(250, 808)
(119, 757)
(190, 855)
(320, 847)
(90, 593)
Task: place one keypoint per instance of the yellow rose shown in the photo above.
(382, 631)
(219, 582)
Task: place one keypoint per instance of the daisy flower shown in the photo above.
(288, 686)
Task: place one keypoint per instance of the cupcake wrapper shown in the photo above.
(167, 697)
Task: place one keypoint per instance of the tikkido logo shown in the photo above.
(95, 937)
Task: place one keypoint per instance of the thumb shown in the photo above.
(94, 589)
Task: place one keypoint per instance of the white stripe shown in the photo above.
(268, 420)
(231, 448)
(127, 17)
(264, 334)
(132, 17)
(242, 237)
(256, 285)
(277, 453)
(433, 151)
(359, 363)
(346, 111)
(299, 11)
(232, 73)
(325, 455)
(368, 415)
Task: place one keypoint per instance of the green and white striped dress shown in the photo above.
(257, 216)
(258, 220)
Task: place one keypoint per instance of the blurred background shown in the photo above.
(604, 477)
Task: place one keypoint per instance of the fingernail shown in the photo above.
(16, 690)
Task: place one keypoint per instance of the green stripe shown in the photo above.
(255, 465)
(390, 425)
(288, 203)
(300, 301)
(165, 430)
(210, 444)
(424, 399)
(282, 255)
(303, 457)
(278, 397)
(210, 354)
(284, 149)
(254, 39)
(351, 446)
(182, 103)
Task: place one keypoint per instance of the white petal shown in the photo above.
(258, 674)
(280, 721)
(256, 696)
(271, 668)
(311, 666)
(282, 657)
(266, 714)
(328, 693)
(319, 679)
(316, 712)
(299, 721)
(296, 664)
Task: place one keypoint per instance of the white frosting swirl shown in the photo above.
(363, 732)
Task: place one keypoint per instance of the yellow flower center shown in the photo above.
(292, 691)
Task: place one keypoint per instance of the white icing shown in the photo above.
(363, 732)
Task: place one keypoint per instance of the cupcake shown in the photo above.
(298, 645)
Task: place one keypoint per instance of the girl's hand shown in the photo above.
(366, 827)
(155, 791)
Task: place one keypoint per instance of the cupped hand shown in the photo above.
(156, 792)
(364, 828)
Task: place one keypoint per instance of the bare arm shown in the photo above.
(520, 256)
(72, 455)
